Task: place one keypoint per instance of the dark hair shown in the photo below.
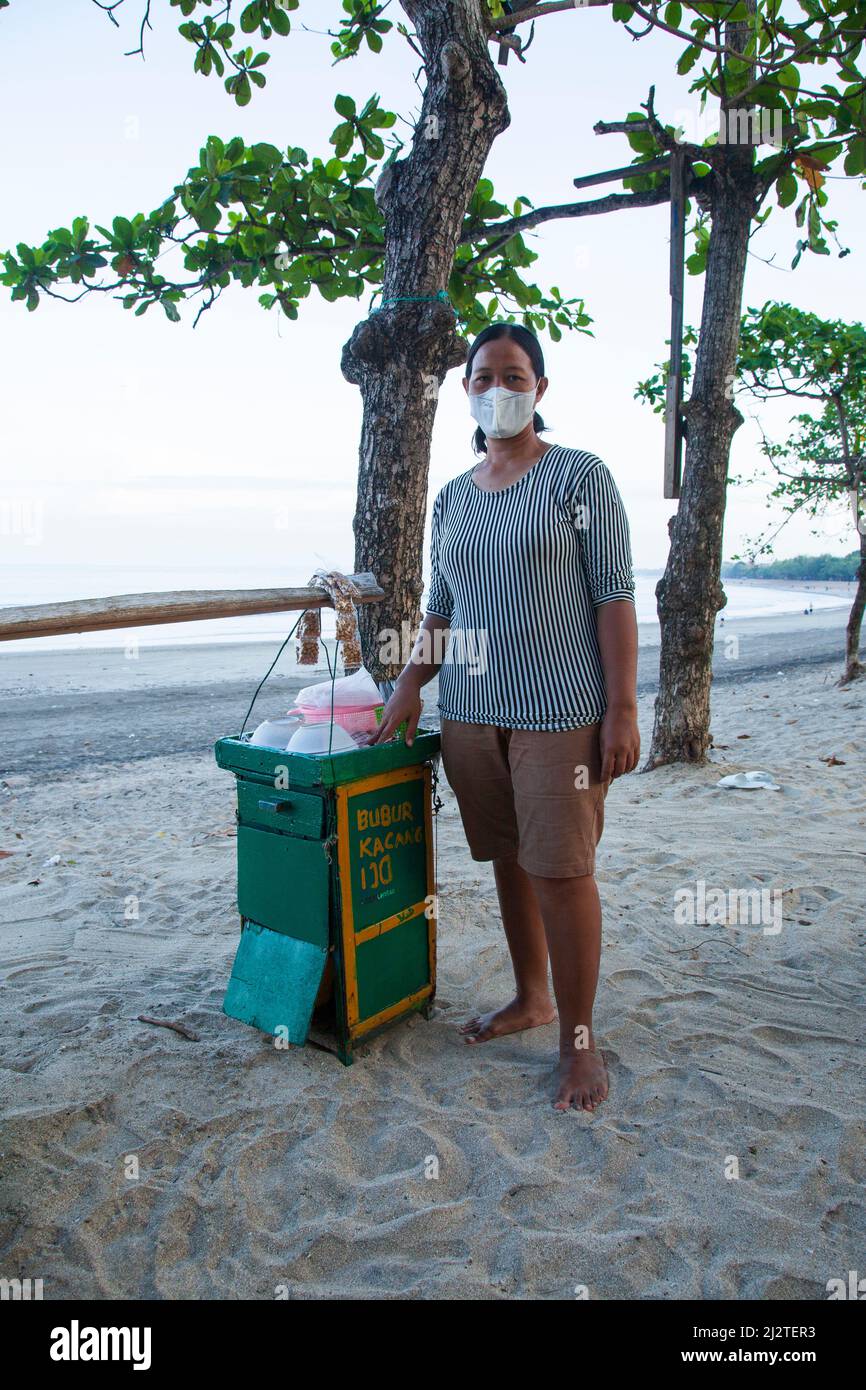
(525, 338)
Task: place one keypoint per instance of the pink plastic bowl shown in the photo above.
(354, 719)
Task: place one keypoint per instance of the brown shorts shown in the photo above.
(528, 795)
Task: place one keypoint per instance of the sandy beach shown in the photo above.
(727, 1163)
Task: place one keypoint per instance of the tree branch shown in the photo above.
(627, 171)
(613, 202)
(145, 23)
(505, 23)
(653, 126)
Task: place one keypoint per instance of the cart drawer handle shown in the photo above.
(275, 805)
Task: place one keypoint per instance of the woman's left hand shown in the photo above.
(620, 742)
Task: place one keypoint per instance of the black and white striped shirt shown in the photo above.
(518, 573)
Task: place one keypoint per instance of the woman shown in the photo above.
(532, 575)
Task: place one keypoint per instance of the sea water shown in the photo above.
(22, 585)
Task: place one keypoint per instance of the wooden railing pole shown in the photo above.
(143, 610)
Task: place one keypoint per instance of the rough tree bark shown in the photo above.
(690, 593)
(854, 668)
(856, 476)
(399, 356)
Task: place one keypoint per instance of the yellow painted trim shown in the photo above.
(432, 885)
(394, 1010)
(347, 912)
(385, 779)
(389, 923)
(355, 1027)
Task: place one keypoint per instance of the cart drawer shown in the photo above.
(293, 813)
(283, 884)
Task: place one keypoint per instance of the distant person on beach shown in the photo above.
(532, 576)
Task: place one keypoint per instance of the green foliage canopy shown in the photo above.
(287, 223)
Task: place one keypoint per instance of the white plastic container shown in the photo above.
(314, 739)
(276, 732)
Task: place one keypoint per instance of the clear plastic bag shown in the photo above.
(358, 691)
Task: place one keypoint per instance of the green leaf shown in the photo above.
(251, 17)
(688, 59)
(786, 188)
(820, 110)
(855, 159)
(788, 78)
(641, 141)
(342, 139)
(673, 15)
(280, 21)
(345, 107)
(122, 230)
(208, 218)
(266, 154)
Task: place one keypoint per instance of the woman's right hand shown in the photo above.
(405, 703)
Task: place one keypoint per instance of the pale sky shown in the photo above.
(233, 447)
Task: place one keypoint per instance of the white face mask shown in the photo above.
(502, 413)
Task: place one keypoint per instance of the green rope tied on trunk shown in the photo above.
(416, 299)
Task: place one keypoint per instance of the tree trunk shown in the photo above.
(400, 355)
(690, 593)
(854, 667)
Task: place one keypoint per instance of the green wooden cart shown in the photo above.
(336, 889)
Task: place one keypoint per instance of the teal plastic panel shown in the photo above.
(274, 982)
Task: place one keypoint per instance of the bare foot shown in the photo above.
(514, 1018)
(583, 1080)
